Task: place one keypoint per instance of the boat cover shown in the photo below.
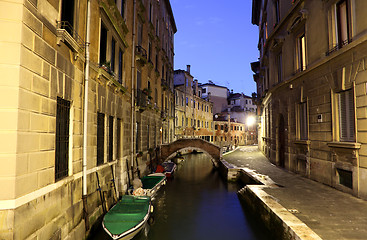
(150, 182)
(126, 214)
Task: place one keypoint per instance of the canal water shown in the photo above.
(198, 205)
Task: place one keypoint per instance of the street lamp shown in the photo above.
(250, 121)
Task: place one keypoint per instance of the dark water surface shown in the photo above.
(197, 205)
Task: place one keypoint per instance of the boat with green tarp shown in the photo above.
(127, 217)
(153, 182)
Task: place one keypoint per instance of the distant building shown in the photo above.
(216, 94)
(193, 113)
(227, 132)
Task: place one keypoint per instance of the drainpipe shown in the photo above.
(133, 89)
(85, 124)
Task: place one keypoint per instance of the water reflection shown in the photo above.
(198, 205)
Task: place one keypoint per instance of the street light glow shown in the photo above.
(250, 121)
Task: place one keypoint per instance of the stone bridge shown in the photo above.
(170, 150)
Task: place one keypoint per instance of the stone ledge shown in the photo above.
(277, 218)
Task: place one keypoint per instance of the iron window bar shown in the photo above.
(338, 46)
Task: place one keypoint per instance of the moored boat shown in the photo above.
(129, 215)
(152, 183)
(169, 168)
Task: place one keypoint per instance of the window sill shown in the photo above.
(347, 145)
(302, 142)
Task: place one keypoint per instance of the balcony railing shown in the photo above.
(141, 54)
(142, 100)
(338, 46)
(67, 34)
(164, 83)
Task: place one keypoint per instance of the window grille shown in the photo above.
(110, 139)
(62, 139)
(118, 138)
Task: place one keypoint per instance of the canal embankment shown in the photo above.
(278, 219)
(275, 217)
(297, 207)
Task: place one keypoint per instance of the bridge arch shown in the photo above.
(214, 151)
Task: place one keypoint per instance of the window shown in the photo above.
(345, 178)
(150, 51)
(118, 138)
(342, 23)
(279, 68)
(203, 90)
(122, 11)
(301, 52)
(156, 62)
(187, 101)
(277, 12)
(303, 121)
(346, 116)
(62, 139)
(148, 134)
(137, 137)
(198, 123)
(113, 48)
(67, 16)
(110, 139)
(100, 138)
(339, 26)
(151, 12)
(157, 28)
(121, 56)
(103, 45)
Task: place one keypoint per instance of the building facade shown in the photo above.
(311, 89)
(194, 116)
(228, 133)
(74, 113)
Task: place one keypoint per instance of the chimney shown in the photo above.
(188, 68)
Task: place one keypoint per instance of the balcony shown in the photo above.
(141, 55)
(338, 46)
(164, 84)
(66, 33)
(143, 100)
(164, 115)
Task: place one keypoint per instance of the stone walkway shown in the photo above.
(330, 213)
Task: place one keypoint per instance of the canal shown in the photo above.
(198, 205)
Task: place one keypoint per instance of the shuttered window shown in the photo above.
(346, 116)
(303, 121)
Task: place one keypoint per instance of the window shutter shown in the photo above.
(346, 116)
(303, 121)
